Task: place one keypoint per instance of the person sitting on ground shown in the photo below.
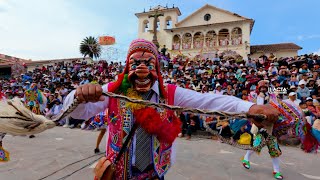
(55, 110)
(315, 110)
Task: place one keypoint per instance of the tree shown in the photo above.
(90, 47)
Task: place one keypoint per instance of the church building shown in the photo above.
(207, 31)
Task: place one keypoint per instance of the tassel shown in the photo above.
(150, 120)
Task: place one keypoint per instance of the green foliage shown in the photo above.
(90, 47)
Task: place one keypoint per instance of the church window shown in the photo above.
(207, 17)
(145, 26)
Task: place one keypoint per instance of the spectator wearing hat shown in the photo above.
(304, 77)
(218, 90)
(316, 67)
(293, 99)
(311, 85)
(294, 69)
(55, 109)
(303, 91)
(304, 69)
(293, 80)
(315, 110)
(242, 78)
(272, 69)
(293, 89)
(261, 72)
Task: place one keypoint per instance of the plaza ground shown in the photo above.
(198, 159)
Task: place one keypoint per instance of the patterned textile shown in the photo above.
(142, 45)
(273, 146)
(291, 117)
(34, 99)
(119, 129)
(99, 121)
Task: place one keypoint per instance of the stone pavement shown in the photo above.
(198, 159)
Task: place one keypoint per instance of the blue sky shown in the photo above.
(43, 29)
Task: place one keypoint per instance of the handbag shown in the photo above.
(245, 139)
(110, 171)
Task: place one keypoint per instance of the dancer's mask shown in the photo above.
(142, 65)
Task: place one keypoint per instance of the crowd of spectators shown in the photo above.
(297, 78)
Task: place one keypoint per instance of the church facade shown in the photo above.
(207, 31)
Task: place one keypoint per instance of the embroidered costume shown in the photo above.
(260, 135)
(158, 128)
(34, 99)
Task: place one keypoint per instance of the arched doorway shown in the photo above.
(186, 41)
(236, 36)
(211, 39)
(224, 37)
(176, 42)
(198, 40)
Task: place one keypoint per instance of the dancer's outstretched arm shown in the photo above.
(92, 101)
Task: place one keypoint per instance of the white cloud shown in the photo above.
(306, 37)
(43, 29)
(317, 52)
(37, 29)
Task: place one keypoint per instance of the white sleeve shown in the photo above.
(188, 98)
(260, 100)
(86, 110)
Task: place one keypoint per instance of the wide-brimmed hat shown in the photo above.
(302, 82)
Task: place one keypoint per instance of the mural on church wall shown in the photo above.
(186, 41)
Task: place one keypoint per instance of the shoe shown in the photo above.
(188, 138)
(277, 175)
(246, 164)
(97, 150)
(32, 136)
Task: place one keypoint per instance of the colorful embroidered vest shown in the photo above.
(120, 122)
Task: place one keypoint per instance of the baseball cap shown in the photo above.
(293, 87)
(309, 99)
(301, 82)
(292, 94)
